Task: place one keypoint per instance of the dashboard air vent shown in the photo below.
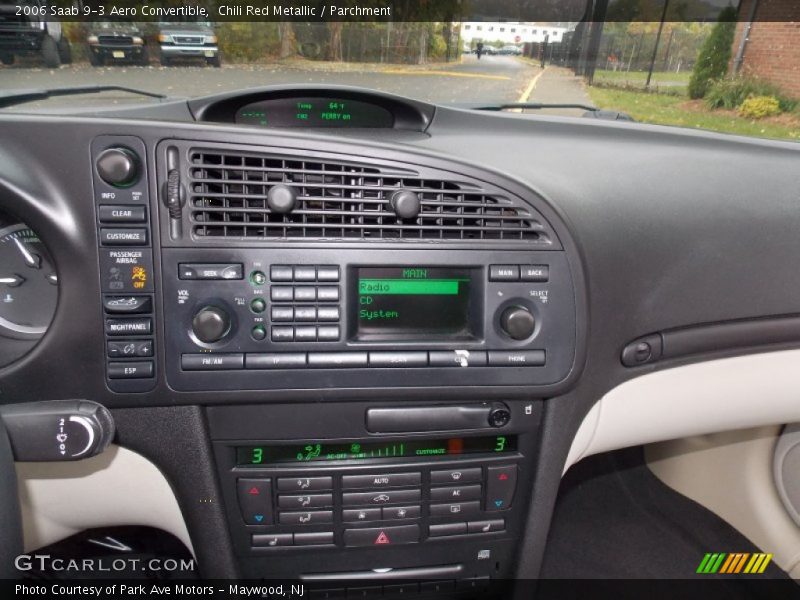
(228, 198)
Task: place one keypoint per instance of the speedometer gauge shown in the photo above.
(28, 290)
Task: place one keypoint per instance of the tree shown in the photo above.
(712, 61)
(288, 40)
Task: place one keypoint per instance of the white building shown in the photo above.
(512, 33)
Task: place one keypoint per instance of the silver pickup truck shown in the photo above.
(188, 40)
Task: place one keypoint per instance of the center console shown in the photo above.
(344, 298)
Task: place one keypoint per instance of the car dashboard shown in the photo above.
(359, 334)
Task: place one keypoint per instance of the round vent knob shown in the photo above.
(406, 204)
(281, 199)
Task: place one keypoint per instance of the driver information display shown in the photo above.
(407, 301)
(314, 112)
(323, 451)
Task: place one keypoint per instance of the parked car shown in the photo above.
(191, 39)
(32, 34)
(510, 50)
(117, 42)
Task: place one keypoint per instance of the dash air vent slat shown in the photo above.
(229, 198)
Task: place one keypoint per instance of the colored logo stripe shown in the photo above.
(737, 562)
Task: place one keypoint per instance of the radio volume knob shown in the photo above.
(118, 167)
(517, 322)
(210, 324)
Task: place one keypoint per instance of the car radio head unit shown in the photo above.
(419, 302)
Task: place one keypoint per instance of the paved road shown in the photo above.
(493, 78)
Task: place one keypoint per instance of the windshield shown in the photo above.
(715, 65)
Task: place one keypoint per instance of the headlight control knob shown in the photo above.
(210, 324)
(118, 167)
(517, 322)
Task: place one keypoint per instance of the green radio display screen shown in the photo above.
(319, 451)
(414, 301)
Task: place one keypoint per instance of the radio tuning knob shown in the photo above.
(517, 322)
(210, 324)
(118, 167)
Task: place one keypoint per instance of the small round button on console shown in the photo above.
(118, 167)
(499, 416)
(517, 322)
(211, 324)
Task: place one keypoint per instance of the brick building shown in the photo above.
(772, 48)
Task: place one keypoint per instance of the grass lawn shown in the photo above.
(675, 82)
(663, 109)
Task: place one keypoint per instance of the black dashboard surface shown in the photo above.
(663, 228)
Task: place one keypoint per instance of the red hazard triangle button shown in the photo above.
(382, 538)
(254, 491)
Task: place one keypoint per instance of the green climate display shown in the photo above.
(314, 112)
(322, 451)
(408, 302)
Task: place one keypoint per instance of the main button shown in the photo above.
(398, 359)
(206, 271)
(522, 358)
(130, 370)
(211, 362)
(111, 213)
(298, 501)
(381, 536)
(381, 497)
(503, 273)
(276, 361)
(358, 482)
(312, 517)
(470, 475)
(123, 237)
(290, 484)
(336, 360)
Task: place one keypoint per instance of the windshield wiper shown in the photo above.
(590, 111)
(532, 106)
(14, 97)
